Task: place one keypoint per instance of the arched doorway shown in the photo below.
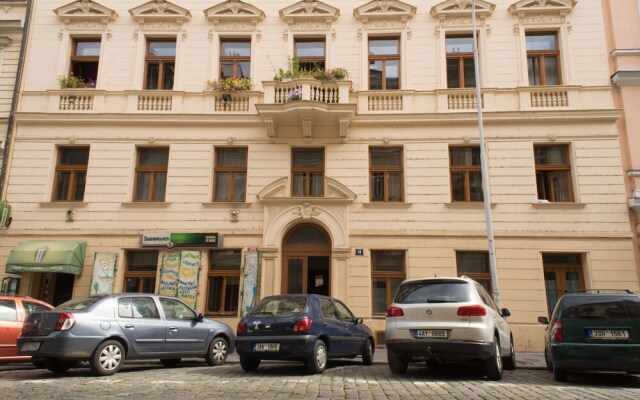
(306, 255)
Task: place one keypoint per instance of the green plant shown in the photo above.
(295, 71)
(75, 82)
(230, 85)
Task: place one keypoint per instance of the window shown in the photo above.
(235, 58)
(175, 309)
(387, 272)
(466, 174)
(31, 307)
(562, 272)
(140, 271)
(137, 307)
(310, 53)
(230, 174)
(8, 310)
(543, 59)
(385, 170)
(460, 66)
(85, 59)
(151, 174)
(384, 64)
(308, 172)
(71, 173)
(553, 173)
(327, 310)
(160, 64)
(224, 282)
(475, 265)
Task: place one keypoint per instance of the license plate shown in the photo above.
(30, 346)
(431, 333)
(609, 334)
(266, 347)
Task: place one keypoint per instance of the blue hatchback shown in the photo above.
(309, 328)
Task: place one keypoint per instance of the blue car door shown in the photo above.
(332, 326)
(139, 319)
(183, 332)
(354, 337)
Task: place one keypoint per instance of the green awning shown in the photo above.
(47, 256)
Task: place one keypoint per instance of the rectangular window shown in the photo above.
(543, 59)
(466, 175)
(553, 173)
(235, 58)
(140, 271)
(384, 64)
(386, 173)
(230, 174)
(85, 59)
(387, 272)
(223, 290)
(460, 67)
(160, 64)
(475, 265)
(71, 174)
(307, 171)
(562, 273)
(310, 53)
(151, 173)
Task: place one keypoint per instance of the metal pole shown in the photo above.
(483, 165)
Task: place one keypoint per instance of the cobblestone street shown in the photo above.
(342, 380)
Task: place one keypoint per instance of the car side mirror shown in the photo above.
(505, 312)
(199, 317)
(359, 321)
(543, 320)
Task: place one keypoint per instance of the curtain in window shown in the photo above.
(160, 185)
(239, 186)
(395, 182)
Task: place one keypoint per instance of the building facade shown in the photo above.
(145, 160)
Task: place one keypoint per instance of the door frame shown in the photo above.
(304, 251)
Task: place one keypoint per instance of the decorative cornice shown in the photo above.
(160, 15)
(559, 7)
(234, 15)
(385, 12)
(86, 10)
(458, 13)
(626, 77)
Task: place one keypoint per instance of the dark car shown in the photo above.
(309, 328)
(13, 311)
(107, 329)
(593, 331)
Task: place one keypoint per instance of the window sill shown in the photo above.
(559, 206)
(387, 204)
(226, 204)
(62, 204)
(145, 204)
(464, 205)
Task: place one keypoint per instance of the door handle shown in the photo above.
(129, 326)
(173, 329)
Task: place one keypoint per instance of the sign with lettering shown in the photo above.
(188, 277)
(155, 239)
(174, 239)
(104, 271)
(169, 274)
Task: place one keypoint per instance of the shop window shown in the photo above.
(386, 173)
(230, 174)
(85, 59)
(223, 289)
(151, 173)
(140, 271)
(160, 64)
(562, 273)
(475, 265)
(460, 65)
(384, 63)
(310, 53)
(387, 272)
(466, 174)
(71, 173)
(235, 58)
(553, 173)
(543, 58)
(307, 171)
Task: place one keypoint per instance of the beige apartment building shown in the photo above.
(352, 168)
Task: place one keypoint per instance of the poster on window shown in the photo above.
(104, 271)
(169, 274)
(188, 277)
(250, 285)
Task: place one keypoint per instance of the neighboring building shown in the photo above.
(622, 27)
(344, 187)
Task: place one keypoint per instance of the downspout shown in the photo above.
(14, 101)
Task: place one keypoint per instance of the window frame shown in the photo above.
(224, 274)
(541, 54)
(384, 58)
(552, 169)
(231, 171)
(161, 60)
(140, 275)
(477, 276)
(386, 170)
(234, 59)
(153, 170)
(462, 56)
(467, 170)
(308, 171)
(75, 58)
(387, 276)
(310, 60)
(73, 170)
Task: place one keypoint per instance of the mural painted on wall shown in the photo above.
(104, 271)
(250, 285)
(169, 274)
(179, 275)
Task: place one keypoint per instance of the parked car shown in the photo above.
(593, 330)
(448, 320)
(13, 311)
(304, 327)
(107, 329)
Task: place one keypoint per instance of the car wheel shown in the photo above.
(318, 360)
(218, 351)
(559, 374)
(170, 362)
(57, 366)
(249, 363)
(107, 358)
(493, 365)
(509, 362)
(397, 364)
(547, 360)
(367, 353)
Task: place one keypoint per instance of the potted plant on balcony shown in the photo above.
(294, 94)
(226, 86)
(295, 71)
(75, 82)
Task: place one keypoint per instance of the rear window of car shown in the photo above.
(280, 306)
(79, 304)
(601, 307)
(433, 292)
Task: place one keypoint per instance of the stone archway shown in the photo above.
(306, 260)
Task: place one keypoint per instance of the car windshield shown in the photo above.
(601, 307)
(280, 306)
(433, 292)
(79, 304)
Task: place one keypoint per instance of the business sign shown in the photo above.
(172, 240)
(155, 239)
(188, 277)
(168, 285)
(251, 281)
(104, 271)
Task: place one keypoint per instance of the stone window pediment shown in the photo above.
(234, 15)
(279, 191)
(458, 14)
(160, 10)
(537, 7)
(85, 15)
(309, 10)
(392, 10)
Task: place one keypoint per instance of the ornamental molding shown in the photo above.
(542, 13)
(309, 15)
(384, 14)
(86, 15)
(160, 16)
(234, 16)
(279, 192)
(458, 14)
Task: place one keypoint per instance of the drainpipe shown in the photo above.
(14, 101)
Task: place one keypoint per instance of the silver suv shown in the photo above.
(448, 320)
